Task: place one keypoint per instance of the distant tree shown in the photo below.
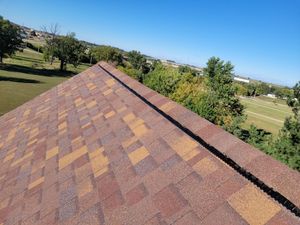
(282, 92)
(229, 110)
(89, 56)
(262, 89)
(287, 92)
(53, 32)
(138, 61)
(68, 50)
(187, 69)
(107, 53)
(251, 90)
(184, 69)
(10, 38)
(287, 146)
(156, 64)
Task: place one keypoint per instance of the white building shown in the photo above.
(271, 95)
(241, 80)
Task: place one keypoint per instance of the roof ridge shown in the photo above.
(280, 198)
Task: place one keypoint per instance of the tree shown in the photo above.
(53, 32)
(187, 69)
(259, 138)
(10, 38)
(283, 92)
(262, 89)
(229, 110)
(107, 53)
(135, 74)
(163, 80)
(188, 90)
(68, 50)
(138, 61)
(287, 146)
(251, 90)
(241, 89)
(89, 56)
(156, 64)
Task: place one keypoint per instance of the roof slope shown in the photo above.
(101, 148)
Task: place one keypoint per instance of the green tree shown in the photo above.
(184, 69)
(262, 89)
(53, 31)
(67, 49)
(156, 64)
(241, 89)
(251, 90)
(283, 92)
(138, 61)
(229, 110)
(259, 138)
(136, 74)
(205, 105)
(10, 38)
(287, 146)
(108, 54)
(163, 80)
(188, 90)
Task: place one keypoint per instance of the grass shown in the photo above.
(36, 42)
(27, 75)
(266, 113)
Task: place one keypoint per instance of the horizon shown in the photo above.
(262, 40)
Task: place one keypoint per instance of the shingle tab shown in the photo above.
(90, 151)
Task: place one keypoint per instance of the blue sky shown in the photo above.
(260, 37)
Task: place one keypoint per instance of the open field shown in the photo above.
(26, 75)
(266, 113)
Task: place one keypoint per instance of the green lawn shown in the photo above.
(266, 113)
(26, 75)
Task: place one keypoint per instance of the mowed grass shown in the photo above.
(26, 75)
(266, 113)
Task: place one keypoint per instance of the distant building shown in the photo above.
(32, 33)
(241, 80)
(271, 95)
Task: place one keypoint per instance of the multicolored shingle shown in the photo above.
(90, 151)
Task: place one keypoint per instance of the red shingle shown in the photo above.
(89, 151)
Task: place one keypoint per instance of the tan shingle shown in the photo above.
(100, 155)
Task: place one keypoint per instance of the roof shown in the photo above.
(101, 148)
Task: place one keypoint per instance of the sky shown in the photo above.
(260, 37)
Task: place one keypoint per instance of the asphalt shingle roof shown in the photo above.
(95, 151)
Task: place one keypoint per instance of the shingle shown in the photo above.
(89, 151)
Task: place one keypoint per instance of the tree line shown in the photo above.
(254, 89)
